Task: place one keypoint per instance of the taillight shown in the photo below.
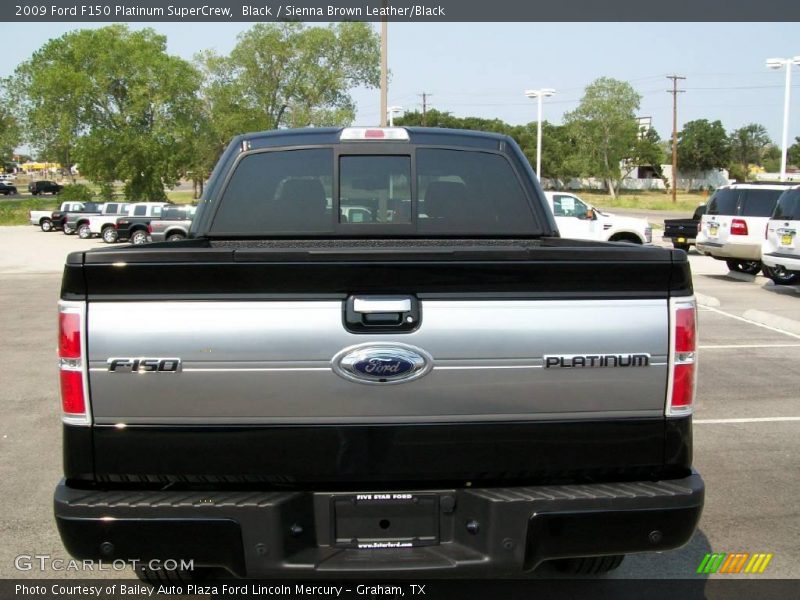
(71, 363)
(738, 227)
(682, 361)
(149, 228)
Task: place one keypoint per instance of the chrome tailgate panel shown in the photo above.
(270, 362)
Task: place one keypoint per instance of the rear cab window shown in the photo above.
(426, 191)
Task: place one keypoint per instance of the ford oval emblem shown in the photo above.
(382, 363)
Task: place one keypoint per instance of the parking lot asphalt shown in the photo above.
(746, 431)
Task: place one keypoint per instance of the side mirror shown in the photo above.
(591, 215)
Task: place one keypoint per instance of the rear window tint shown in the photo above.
(788, 207)
(759, 203)
(175, 214)
(278, 192)
(723, 202)
(375, 189)
(291, 192)
(469, 192)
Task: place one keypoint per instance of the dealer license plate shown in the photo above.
(385, 520)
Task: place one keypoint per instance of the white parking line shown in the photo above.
(736, 346)
(748, 321)
(748, 420)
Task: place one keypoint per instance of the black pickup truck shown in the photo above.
(375, 357)
(59, 217)
(682, 232)
(135, 226)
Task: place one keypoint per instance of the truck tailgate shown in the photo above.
(528, 348)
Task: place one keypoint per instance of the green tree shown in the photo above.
(559, 142)
(560, 156)
(606, 129)
(287, 74)
(703, 145)
(793, 153)
(114, 101)
(646, 151)
(772, 159)
(749, 145)
(10, 134)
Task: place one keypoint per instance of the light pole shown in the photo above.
(391, 112)
(539, 94)
(777, 63)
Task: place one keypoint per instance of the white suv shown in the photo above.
(733, 227)
(780, 251)
(579, 220)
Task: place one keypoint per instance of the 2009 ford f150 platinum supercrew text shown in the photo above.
(375, 355)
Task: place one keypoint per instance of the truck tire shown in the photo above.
(175, 237)
(46, 225)
(139, 237)
(781, 276)
(589, 565)
(110, 234)
(68, 230)
(751, 267)
(84, 232)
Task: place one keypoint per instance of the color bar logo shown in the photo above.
(735, 563)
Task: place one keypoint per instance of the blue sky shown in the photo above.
(481, 69)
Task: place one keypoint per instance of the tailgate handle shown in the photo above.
(381, 314)
(381, 305)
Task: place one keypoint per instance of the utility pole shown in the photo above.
(425, 97)
(384, 70)
(675, 91)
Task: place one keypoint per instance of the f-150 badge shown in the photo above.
(381, 363)
(144, 365)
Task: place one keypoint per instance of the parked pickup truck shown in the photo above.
(172, 226)
(44, 218)
(61, 218)
(576, 219)
(446, 387)
(73, 220)
(682, 232)
(132, 226)
(91, 225)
